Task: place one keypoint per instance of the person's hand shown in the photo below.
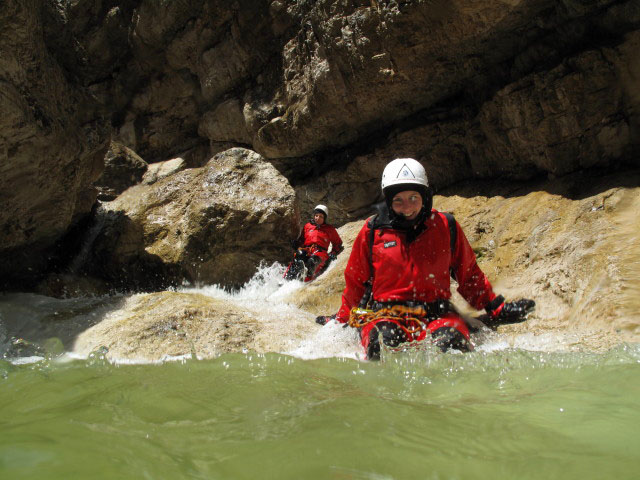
(333, 256)
(324, 319)
(501, 312)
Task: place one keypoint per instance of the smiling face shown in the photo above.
(318, 218)
(407, 204)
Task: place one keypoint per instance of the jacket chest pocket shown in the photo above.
(389, 257)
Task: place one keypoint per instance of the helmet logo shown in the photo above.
(405, 172)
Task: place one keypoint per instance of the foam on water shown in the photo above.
(267, 298)
(332, 340)
(266, 282)
(267, 293)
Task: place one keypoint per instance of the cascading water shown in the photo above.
(36, 320)
(99, 219)
(266, 293)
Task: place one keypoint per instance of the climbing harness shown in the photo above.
(412, 320)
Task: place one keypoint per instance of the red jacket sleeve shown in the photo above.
(303, 236)
(356, 273)
(336, 241)
(473, 284)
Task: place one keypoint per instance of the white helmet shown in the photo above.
(404, 171)
(406, 174)
(322, 209)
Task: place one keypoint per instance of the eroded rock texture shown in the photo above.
(327, 91)
(213, 224)
(52, 143)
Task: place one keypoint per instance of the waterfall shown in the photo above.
(99, 219)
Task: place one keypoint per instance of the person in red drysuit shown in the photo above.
(312, 246)
(406, 265)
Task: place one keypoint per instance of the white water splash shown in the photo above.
(266, 294)
(332, 340)
(288, 330)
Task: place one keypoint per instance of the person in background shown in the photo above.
(312, 247)
(399, 272)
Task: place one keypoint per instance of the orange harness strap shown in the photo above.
(411, 319)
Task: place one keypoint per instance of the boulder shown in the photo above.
(355, 67)
(161, 325)
(213, 224)
(159, 170)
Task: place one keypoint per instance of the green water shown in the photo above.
(506, 414)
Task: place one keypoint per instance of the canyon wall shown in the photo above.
(325, 91)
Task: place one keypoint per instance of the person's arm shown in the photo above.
(476, 289)
(336, 243)
(356, 274)
(473, 284)
(299, 242)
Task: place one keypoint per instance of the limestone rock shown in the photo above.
(156, 326)
(225, 123)
(213, 224)
(557, 121)
(351, 65)
(159, 170)
(123, 169)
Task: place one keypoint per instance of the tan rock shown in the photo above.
(123, 168)
(557, 121)
(213, 224)
(159, 170)
(225, 123)
(52, 145)
(155, 326)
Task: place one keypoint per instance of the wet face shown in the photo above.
(318, 218)
(407, 204)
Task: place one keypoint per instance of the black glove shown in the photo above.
(324, 319)
(502, 313)
(333, 256)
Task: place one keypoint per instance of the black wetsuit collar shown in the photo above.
(386, 218)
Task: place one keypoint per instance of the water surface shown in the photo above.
(316, 411)
(420, 414)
